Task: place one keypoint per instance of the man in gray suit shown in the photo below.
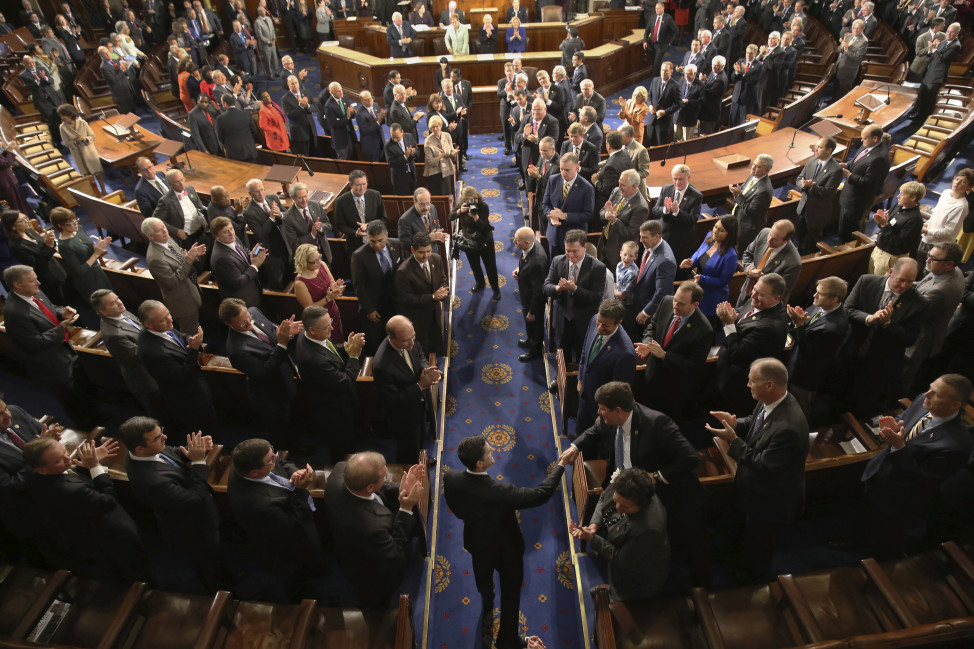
(172, 268)
(818, 183)
(752, 200)
(922, 49)
(267, 43)
(638, 155)
(852, 50)
(943, 288)
(772, 251)
(306, 222)
(622, 214)
(120, 331)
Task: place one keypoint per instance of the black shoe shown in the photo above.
(463, 168)
(553, 387)
(478, 288)
(497, 295)
(524, 344)
(513, 165)
(529, 356)
(500, 139)
(508, 152)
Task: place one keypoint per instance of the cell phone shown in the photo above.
(257, 249)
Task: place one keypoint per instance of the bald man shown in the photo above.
(531, 271)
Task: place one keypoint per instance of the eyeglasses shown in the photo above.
(932, 258)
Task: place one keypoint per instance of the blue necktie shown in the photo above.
(284, 482)
(175, 338)
(758, 422)
(385, 261)
(168, 460)
(620, 448)
(131, 322)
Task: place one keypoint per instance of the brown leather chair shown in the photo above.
(552, 14)
(419, 47)
(347, 41)
(439, 47)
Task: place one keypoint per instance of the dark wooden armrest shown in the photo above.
(803, 611)
(302, 626)
(724, 449)
(863, 238)
(711, 630)
(214, 620)
(122, 617)
(204, 277)
(959, 558)
(889, 592)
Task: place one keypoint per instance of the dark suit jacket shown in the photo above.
(487, 508)
(547, 128)
(690, 111)
(202, 132)
(301, 125)
(770, 481)
(815, 348)
(787, 263)
(713, 93)
(147, 196)
(664, 98)
(120, 84)
(616, 361)
(406, 406)
(50, 361)
(578, 207)
(373, 288)
(609, 172)
(400, 51)
(270, 374)
(370, 132)
(587, 297)
(818, 201)
(295, 228)
(902, 483)
(15, 514)
(178, 373)
(411, 223)
(879, 344)
(122, 341)
(40, 257)
(238, 134)
(678, 228)
(235, 276)
(278, 269)
(279, 523)
(530, 280)
(596, 101)
(626, 226)
(347, 219)
(868, 174)
(902, 233)
(336, 122)
(179, 498)
(404, 117)
(747, 84)
(656, 280)
(400, 165)
(667, 31)
(372, 547)
(169, 212)
(328, 382)
(45, 98)
(414, 297)
(761, 335)
(682, 367)
(752, 209)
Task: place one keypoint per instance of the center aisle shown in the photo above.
(491, 393)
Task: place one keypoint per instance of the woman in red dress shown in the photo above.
(273, 123)
(315, 285)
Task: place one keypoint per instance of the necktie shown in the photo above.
(758, 422)
(572, 273)
(284, 482)
(564, 192)
(887, 298)
(409, 361)
(168, 460)
(535, 131)
(620, 450)
(330, 346)
(818, 168)
(596, 346)
(360, 206)
(176, 339)
(677, 198)
(656, 28)
(402, 145)
(672, 330)
(307, 219)
(426, 222)
(544, 167)
(241, 252)
(920, 425)
(385, 262)
(818, 314)
(686, 90)
(263, 337)
(50, 316)
(860, 154)
(131, 322)
(13, 438)
(643, 264)
(179, 255)
(426, 270)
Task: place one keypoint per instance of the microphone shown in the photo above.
(795, 134)
(888, 99)
(306, 167)
(666, 154)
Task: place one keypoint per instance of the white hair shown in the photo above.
(719, 59)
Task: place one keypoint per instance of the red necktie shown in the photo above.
(209, 117)
(671, 331)
(659, 20)
(642, 266)
(50, 316)
(14, 438)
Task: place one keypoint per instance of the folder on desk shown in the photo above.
(123, 125)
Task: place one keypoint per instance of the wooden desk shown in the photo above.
(901, 101)
(211, 170)
(121, 154)
(612, 66)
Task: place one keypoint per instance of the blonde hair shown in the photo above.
(915, 189)
(435, 119)
(302, 255)
(642, 92)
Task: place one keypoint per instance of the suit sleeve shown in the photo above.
(672, 445)
(778, 454)
(252, 366)
(581, 217)
(408, 298)
(665, 274)
(739, 349)
(719, 274)
(526, 497)
(28, 337)
(227, 276)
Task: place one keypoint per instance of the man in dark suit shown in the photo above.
(817, 338)
(678, 207)
(244, 48)
(772, 251)
(403, 378)
(623, 214)
(120, 80)
(39, 329)
(691, 97)
(747, 78)
(752, 198)
(264, 218)
(301, 124)
(664, 100)
(171, 483)
(172, 359)
(721, 38)
(357, 208)
(401, 156)
(606, 179)
(44, 97)
(269, 500)
(17, 428)
(373, 270)
(533, 128)
(306, 222)
(328, 375)
(259, 348)
(630, 435)
(928, 443)
(370, 118)
(422, 217)
(120, 331)
(555, 100)
(817, 182)
(173, 271)
(202, 127)
(235, 269)
(886, 314)
(400, 114)
(576, 284)
(505, 93)
(377, 521)
(654, 279)
(516, 10)
(588, 97)
(585, 151)
(757, 332)
(674, 346)
(692, 57)
(400, 37)
(421, 287)
(463, 89)
(772, 72)
(660, 33)
(864, 178)
(937, 70)
(607, 355)
(491, 533)
(532, 268)
(580, 72)
(714, 87)
(770, 481)
(568, 204)
(237, 131)
(110, 547)
(335, 116)
(537, 176)
(150, 188)
(222, 205)
(182, 211)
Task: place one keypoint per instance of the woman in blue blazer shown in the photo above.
(713, 265)
(516, 36)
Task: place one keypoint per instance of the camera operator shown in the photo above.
(476, 238)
